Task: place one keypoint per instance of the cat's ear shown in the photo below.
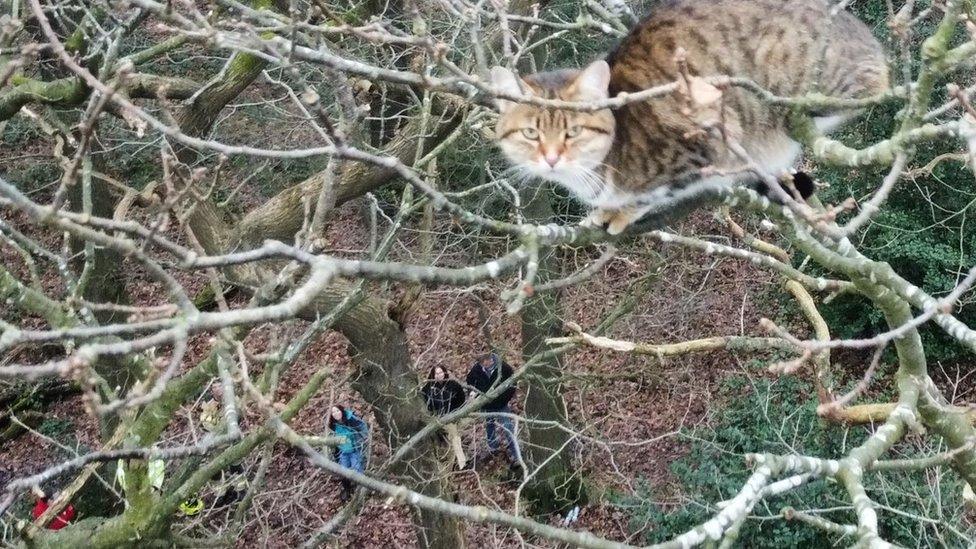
(505, 81)
(593, 82)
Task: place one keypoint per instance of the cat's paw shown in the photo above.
(621, 220)
(598, 218)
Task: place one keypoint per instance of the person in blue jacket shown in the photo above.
(344, 423)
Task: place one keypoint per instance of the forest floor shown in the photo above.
(634, 413)
(630, 410)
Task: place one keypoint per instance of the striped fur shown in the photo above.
(621, 162)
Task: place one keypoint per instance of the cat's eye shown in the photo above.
(530, 133)
(574, 131)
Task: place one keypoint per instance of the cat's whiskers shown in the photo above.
(592, 179)
(517, 173)
(644, 151)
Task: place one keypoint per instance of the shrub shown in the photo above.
(764, 416)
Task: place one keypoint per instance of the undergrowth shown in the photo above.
(780, 417)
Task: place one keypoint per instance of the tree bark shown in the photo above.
(105, 281)
(556, 486)
(385, 378)
(386, 381)
(281, 216)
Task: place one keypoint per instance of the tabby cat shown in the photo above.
(621, 162)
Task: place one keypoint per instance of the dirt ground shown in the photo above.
(628, 409)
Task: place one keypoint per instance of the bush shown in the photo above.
(56, 428)
(764, 416)
(922, 231)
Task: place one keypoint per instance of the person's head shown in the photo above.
(337, 414)
(487, 360)
(438, 373)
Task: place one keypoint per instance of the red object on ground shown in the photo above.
(57, 522)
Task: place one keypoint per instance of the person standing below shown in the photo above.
(444, 395)
(344, 423)
(487, 372)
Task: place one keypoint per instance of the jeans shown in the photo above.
(508, 432)
(352, 460)
(454, 437)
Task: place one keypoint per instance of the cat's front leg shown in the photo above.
(598, 218)
(623, 218)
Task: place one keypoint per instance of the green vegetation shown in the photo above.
(56, 428)
(923, 231)
(764, 416)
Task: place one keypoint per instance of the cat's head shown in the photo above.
(559, 145)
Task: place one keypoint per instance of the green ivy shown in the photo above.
(923, 231)
(780, 417)
(56, 428)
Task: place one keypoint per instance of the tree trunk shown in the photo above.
(388, 383)
(105, 282)
(557, 485)
(385, 380)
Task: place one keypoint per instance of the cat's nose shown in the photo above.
(552, 159)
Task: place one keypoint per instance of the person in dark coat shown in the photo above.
(441, 393)
(487, 372)
(444, 395)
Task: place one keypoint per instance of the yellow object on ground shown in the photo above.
(191, 506)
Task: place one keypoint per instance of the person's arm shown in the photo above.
(334, 431)
(362, 430)
(507, 372)
(457, 396)
(472, 381)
